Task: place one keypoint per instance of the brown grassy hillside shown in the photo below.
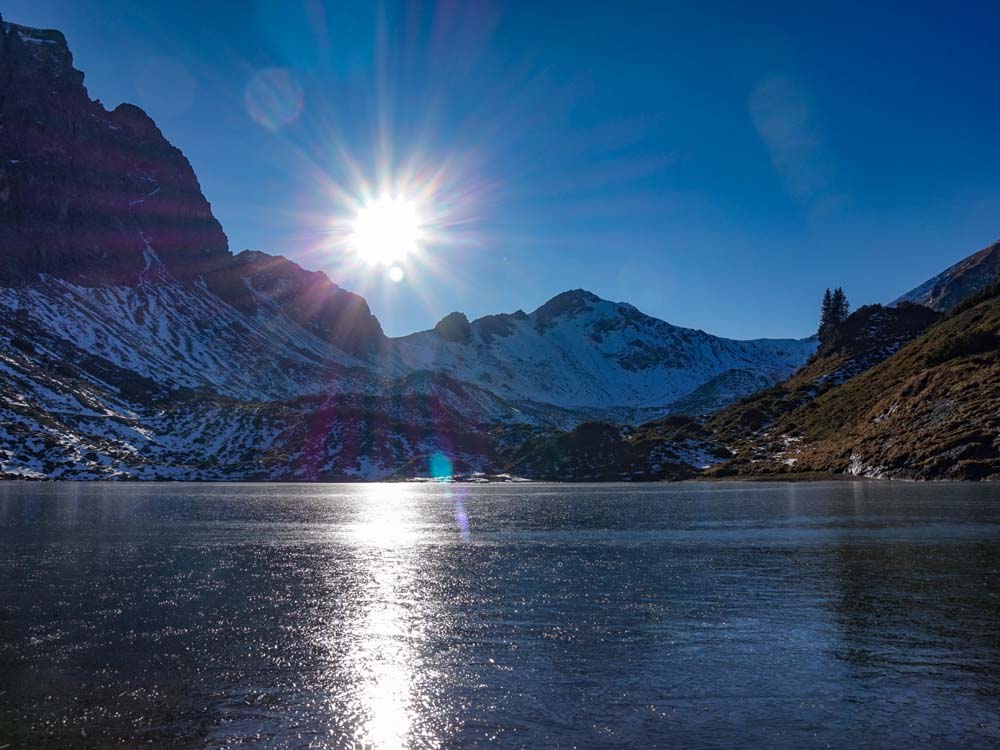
(930, 411)
(869, 336)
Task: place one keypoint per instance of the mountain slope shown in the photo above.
(870, 335)
(580, 351)
(895, 395)
(96, 197)
(930, 411)
(958, 282)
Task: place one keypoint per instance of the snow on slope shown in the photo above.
(182, 336)
(133, 343)
(65, 413)
(580, 351)
(602, 360)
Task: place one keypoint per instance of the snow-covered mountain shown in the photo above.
(957, 282)
(133, 343)
(579, 351)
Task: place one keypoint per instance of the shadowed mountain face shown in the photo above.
(958, 282)
(97, 198)
(84, 191)
(254, 281)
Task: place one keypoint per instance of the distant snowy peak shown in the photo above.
(578, 351)
(958, 282)
(568, 304)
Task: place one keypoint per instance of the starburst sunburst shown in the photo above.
(386, 230)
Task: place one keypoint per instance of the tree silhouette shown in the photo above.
(839, 307)
(824, 315)
(833, 312)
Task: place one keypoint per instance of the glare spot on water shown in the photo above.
(387, 516)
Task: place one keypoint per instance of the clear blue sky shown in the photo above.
(714, 164)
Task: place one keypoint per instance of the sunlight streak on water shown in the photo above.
(383, 632)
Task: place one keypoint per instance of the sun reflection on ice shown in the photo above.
(385, 628)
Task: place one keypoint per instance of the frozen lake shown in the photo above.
(506, 615)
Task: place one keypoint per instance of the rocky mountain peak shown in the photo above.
(455, 327)
(567, 303)
(45, 48)
(95, 197)
(254, 281)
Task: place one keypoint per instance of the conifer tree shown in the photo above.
(839, 307)
(825, 316)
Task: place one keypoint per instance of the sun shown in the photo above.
(386, 230)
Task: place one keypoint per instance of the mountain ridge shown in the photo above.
(957, 282)
(135, 344)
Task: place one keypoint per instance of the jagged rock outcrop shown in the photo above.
(454, 327)
(96, 197)
(255, 280)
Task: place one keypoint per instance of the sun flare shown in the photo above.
(386, 230)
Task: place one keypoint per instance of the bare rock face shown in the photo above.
(95, 197)
(454, 327)
(85, 191)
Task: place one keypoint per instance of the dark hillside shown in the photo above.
(930, 411)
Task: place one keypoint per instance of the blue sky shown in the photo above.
(715, 165)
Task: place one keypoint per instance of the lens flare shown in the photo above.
(440, 467)
(386, 231)
(273, 98)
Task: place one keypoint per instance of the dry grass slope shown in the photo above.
(930, 411)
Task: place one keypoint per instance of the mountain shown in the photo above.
(96, 198)
(741, 439)
(134, 344)
(757, 429)
(580, 352)
(899, 393)
(84, 191)
(961, 280)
